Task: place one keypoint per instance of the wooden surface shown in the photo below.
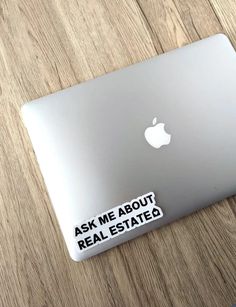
(49, 45)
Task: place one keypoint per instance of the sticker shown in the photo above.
(117, 221)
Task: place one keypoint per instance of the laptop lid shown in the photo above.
(164, 128)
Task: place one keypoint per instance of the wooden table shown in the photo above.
(49, 45)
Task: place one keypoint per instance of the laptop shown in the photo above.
(138, 148)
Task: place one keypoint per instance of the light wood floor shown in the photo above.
(49, 45)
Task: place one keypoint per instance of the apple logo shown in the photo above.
(156, 135)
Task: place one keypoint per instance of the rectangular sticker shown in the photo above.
(117, 221)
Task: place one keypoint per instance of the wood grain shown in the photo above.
(49, 45)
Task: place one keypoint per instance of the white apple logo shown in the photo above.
(156, 135)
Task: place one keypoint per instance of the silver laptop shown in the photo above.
(149, 143)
